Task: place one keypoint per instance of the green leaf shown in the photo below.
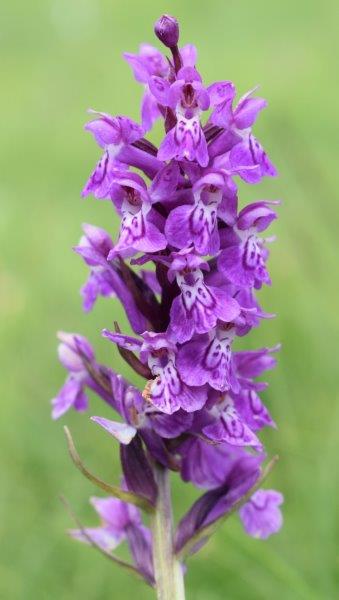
(114, 490)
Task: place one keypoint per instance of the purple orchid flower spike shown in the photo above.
(198, 410)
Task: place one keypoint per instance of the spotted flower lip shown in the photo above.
(167, 392)
(187, 98)
(244, 255)
(208, 359)
(192, 401)
(227, 425)
(198, 306)
(196, 224)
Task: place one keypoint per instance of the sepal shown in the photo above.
(122, 432)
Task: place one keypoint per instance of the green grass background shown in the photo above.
(59, 57)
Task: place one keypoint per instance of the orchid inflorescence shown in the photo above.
(200, 410)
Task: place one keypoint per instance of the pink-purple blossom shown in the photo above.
(199, 410)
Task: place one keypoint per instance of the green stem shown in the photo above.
(168, 572)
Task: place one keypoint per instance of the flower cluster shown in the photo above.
(200, 411)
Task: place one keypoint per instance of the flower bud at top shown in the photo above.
(167, 30)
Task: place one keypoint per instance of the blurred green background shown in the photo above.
(60, 57)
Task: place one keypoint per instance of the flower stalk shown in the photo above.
(168, 571)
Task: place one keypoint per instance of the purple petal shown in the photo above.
(252, 363)
(189, 55)
(190, 361)
(207, 360)
(149, 111)
(261, 516)
(168, 393)
(185, 141)
(221, 94)
(67, 397)
(181, 326)
(244, 264)
(252, 410)
(247, 111)
(138, 66)
(241, 475)
(115, 513)
(138, 233)
(103, 537)
(221, 91)
(171, 426)
(258, 215)
(159, 87)
(125, 341)
(165, 182)
(100, 180)
(230, 428)
(227, 308)
(177, 228)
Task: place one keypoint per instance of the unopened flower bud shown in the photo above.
(167, 30)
